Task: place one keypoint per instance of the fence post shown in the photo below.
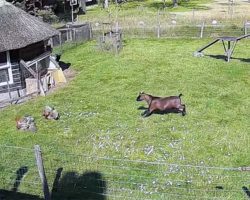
(202, 29)
(158, 24)
(90, 31)
(40, 166)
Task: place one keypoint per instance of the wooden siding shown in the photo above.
(17, 83)
(19, 74)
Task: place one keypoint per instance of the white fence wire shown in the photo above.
(72, 176)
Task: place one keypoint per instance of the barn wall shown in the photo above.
(14, 57)
(27, 53)
(32, 51)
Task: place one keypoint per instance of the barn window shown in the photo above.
(5, 69)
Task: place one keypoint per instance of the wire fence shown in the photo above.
(175, 29)
(143, 22)
(19, 171)
(71, 176)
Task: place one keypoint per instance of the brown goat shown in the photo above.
(162, 104)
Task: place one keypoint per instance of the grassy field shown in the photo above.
(100, 117)
(188, 12)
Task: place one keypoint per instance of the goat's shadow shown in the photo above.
(158, 112)
(142, 108)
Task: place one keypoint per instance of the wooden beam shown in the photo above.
(33, 73)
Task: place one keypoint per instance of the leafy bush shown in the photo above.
(48, 15)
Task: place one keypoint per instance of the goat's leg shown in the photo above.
(183, 110)
(142, 114)
(147, 113)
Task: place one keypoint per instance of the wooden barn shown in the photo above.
(24, 49)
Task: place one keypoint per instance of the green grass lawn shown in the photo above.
(100, 115)
(129, 12)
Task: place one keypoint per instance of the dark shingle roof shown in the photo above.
(19, 29)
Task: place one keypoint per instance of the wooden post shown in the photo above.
(40, 166)
(246, 25)
(72, 14)
(90, 31)
(202, 29)
(74, 34)
(158, 24)
(51, 42)
(8, 84)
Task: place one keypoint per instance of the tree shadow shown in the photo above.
(74, 186)
(13, 194)
(10, 195)
(19, 176)
(246, 190)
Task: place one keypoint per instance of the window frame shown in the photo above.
(7, 66)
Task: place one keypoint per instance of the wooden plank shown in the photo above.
(33, 73)
(17, 99)
(40, 166)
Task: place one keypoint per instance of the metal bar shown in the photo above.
(232, 49)
(28, 68)
(202, 29)
(225, 49)
(242, 37)
(228, 50)
(210, 44)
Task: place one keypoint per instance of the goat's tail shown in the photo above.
(180, 95)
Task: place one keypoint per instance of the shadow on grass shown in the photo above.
(19, 176)
(142, 108)
(10, 195)
(13, 194)
(223, 57)
(246, 190)
(71, 186)
(74, 186)
(158, 112)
